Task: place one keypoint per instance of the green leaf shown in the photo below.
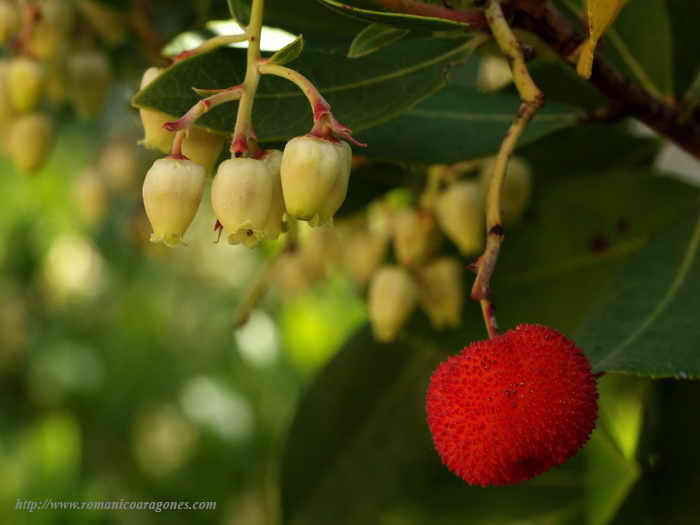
(610, 478)
(368, 11)
(374, 37)
(459, 123)
(363, 92)
(640, 43)
(240, 10)
(684, 27)
(648, 325)
(289, 53)
(359, 447)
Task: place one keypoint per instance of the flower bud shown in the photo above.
(516, 190)
(442, 291)
(30, 141)
(460, 214)
(50, 35)
(202, 146)
(291, 275)
(273, 223)
(172, 192)
(25, 83)
(494, 73)
(392, 299)
(155, 135)
(118, 165)
(7, 112)
(8, 21)
(314, 177)
(415, 236)
(90, 77)
(56, 83)
(90, 197)
(241, 196)
(363, 252)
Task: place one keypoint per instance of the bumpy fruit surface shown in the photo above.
(241, 196)
(460, 213)
(314, 177)
(507, 409)
(392, 298)
(172, 192)
(30, 140)
(442, 291)
(25, 83)
(8, 21)
(517, 187)
(273, 223)
(415, 236)
(90, 77)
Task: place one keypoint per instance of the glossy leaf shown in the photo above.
(373, 38)
(459, 123)
(684, 18)
(640, 44)
(600, 14)
(369, 12)
(359, 446)
(363, 92)
(240, 10)
(648, 324)
(289, 53)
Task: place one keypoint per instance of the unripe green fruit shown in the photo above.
(241, 196)
(460, 213)
(25, 83)
(442, 291)
(415, 236)
(30, 141)
(363, 252)
(392, 298)
(8, 21)
(517, 187)
(90, 77)
(172, 191)
(314, 177)
(273, 223)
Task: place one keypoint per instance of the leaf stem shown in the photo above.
(244, 132)
(532, 101)
(201, 107)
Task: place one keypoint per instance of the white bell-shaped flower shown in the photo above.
(172, 192)
(442, 291)
(315, 176)
(460, 214)
(241, 196)
(273, 223)
(393, 295)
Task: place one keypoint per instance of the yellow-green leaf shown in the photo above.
(601, 14)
